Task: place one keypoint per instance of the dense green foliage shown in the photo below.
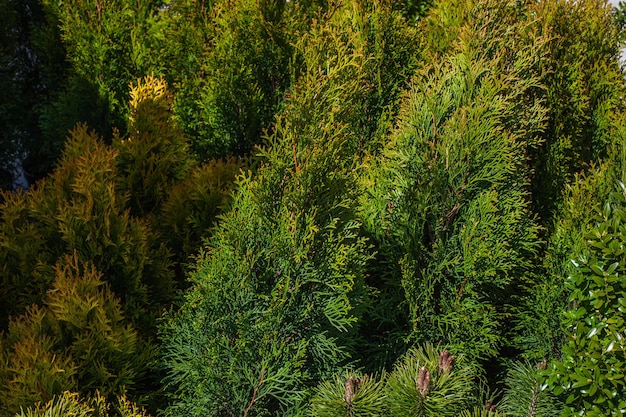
(282, 281)
(448, 202)
(87, 266)
(267, 207)
(424, 383)
(590, 374)
(69, 404)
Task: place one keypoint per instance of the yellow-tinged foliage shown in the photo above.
(92, 255)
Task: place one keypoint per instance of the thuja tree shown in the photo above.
(105, 203)
(179, 198)
(154, 155)
(430, 164)
(276, 297)
(71, 404)
(539, 333)
(577, 70)
(106, 45)
(232, 73)
(80, 209)
(580, 159)
(563, 318)
(447, 202)
(78, 339)
(108, 207)
(193, 206)
(584, 87)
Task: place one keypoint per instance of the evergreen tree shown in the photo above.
(155, 154)
(455, 163)
(106, 46)
(232, 73)
(80, 209)
(426, 382)
(83, 280)
(192, 208)
(579, 160)
(70, 404)
(78, 339)
(449, 200)
(354, 395)
(277, 294)
(526, 393)
(584, 86)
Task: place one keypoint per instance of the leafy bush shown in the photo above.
(590, 375)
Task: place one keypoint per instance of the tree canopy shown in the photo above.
(312, 208)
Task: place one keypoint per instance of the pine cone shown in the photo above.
(446, 361)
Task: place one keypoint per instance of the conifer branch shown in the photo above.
(254, 393)
(295, 155)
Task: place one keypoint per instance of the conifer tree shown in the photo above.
(77, 340)
(106, 45)
(526, 393)
(230, 84)
(78, 210)
(70, 404)
(577, 73)
(71, 249)
(583, 89)
(280, 288)
(155, 154)
(192, 208)
(87, 207)
(81, 209)
(449, 201)
(579, 161)
(458, 156)
(539, 331)
(353, 395)
(425, 382)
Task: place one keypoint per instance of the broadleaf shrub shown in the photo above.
(590, 374)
